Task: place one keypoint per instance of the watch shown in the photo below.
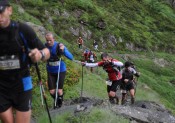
(42, 54)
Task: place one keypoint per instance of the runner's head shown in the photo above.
(5, 12)
(49, 39)
(127, 64)
(105, 57)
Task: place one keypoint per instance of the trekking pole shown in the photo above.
(42, 91)
(42, 100)
(57, 83)
(136, 85)
(82, 85)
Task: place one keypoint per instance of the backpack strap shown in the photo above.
(21, 40)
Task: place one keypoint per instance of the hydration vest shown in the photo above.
(109, 67)
(14, 49)
(53, 62)
(127, 74)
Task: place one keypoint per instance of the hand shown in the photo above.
(61, 47)
(111, 63)
(126, 80)
(35, 55)
(138, 73)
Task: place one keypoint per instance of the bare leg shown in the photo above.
(7, 116)
(124, 98)
(113, 97)
(132, 96)
(23, 117)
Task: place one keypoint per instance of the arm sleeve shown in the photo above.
(31, 37)
(91, 64)
(67, 54)
(118, 63)
(135, 72)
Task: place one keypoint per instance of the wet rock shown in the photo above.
(145, 112)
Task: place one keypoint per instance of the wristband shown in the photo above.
(42, 54)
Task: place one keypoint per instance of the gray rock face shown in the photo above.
(140, 112)
(145, 112)
(40, 30)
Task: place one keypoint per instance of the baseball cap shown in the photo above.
(3, 5)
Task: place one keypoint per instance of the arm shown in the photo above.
(37, 50)
(117, 63)
(135, 72)
(37, 55)
(91, 64)
(67, 54)
(65, 51)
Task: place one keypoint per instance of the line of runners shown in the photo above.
(20, 48)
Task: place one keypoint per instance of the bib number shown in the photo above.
(9, 62)
(54, 63)
(108, 82)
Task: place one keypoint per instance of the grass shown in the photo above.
(97, 115)
(152, 86)
(149, 25)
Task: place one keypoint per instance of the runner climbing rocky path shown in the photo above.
(140, 112)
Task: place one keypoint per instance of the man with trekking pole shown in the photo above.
(20, 47)
(110, 66)
(56, 68)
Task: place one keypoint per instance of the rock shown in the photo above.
(40, 30)
(161, 62)
(145, 112)
(74, 31)
(140, 112)
(77, 13)
(112, 40)
(101, 24)
(21, 10)
(65, 14)
(56, 12)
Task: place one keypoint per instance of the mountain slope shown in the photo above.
(137, 25)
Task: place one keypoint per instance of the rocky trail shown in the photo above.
(140, 112)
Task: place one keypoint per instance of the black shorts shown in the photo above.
(127, 86)
(52, 80)
(21, 101)
(90, 61)
(114, 86)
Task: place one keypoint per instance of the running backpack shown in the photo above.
(20, 39)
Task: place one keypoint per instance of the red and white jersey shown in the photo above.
(109, 68)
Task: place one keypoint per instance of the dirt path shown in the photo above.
(140, 112)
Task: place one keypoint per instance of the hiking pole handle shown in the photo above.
(38, 72)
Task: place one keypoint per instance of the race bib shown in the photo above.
(92, 58)
(108, 82)
(9, 62)
(56, 63)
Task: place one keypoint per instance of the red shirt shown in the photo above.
(111, 72)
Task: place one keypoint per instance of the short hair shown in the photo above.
(104, 55)
(49, 33)
(127, 64)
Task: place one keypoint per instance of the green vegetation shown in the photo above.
(148, 24)
(95, 116)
